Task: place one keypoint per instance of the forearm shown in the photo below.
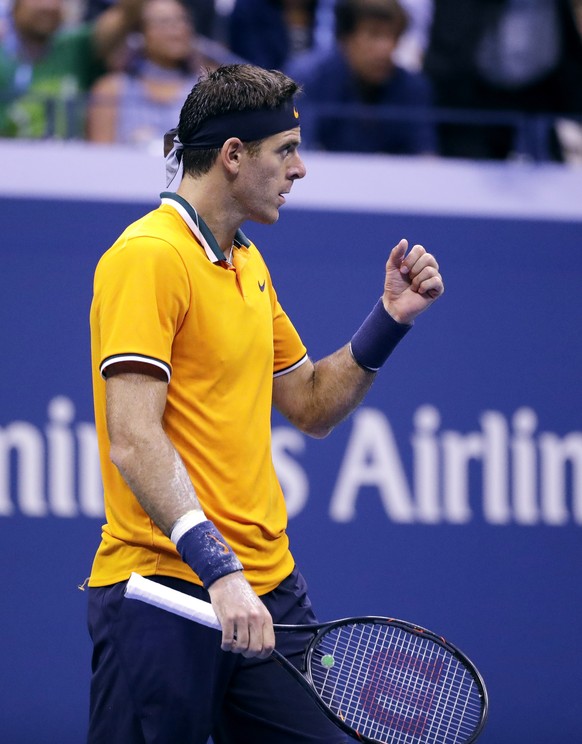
(158, 478)
(316, 397)
(336, 387)
(154, 471)
(114, 24)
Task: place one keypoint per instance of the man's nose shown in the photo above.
(299, 169)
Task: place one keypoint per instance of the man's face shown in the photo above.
(168, 32)
(38, 19)
(267, 175)
(370, 48)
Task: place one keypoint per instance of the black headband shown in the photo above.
(248, 126)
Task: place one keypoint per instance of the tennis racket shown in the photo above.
(380, 680)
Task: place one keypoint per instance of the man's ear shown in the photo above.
(230, 154)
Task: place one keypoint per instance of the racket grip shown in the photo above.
(171, 600)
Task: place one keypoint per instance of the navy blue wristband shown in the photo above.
(206, 552)
(376, 338)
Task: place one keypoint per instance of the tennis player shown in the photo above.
(190, 349)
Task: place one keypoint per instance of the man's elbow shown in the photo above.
(120, 454)
(314, 429)
(319, 433)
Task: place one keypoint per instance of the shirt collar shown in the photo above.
(199, 228)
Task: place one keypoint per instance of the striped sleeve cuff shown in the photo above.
(286, 370)
(143, 358)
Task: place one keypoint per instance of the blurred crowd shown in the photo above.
(479, 79)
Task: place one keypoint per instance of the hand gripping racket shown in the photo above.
(380, 680)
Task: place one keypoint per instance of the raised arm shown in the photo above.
(114, 24)
(154, 471)
(315, 397)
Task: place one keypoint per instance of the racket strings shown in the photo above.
(394, 686)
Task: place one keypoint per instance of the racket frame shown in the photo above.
(305, 678)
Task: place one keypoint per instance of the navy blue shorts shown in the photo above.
(160, 679)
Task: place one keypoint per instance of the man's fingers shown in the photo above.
(229, 636)
(432, 286)
(423, 280)
(250, 642)
(250, 637)
(416, 259)
(268, 634)
(256, 643)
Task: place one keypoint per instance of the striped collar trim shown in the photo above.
(200, 229)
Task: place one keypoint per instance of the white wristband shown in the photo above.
(185, 523)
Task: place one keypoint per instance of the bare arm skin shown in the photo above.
(114, 24)
(316, 397)
(154, 471)
(102, 109)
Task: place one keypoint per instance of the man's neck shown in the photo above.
(207, 199)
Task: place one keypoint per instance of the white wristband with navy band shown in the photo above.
(203, 548)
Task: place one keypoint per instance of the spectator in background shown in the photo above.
(504, 55)
(270, 33)
(138, 106)
(412, 44)
(569, 130)
(357, 98)
(45, 66)
(203, 14)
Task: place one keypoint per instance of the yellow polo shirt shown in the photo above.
(164, 294)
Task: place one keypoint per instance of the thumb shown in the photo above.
(397, 254)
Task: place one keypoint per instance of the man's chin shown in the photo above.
(264, 219)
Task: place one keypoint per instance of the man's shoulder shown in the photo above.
(158, 225)
(316, 67)
(73, 36)
(70, 55)
(153, 232)
(411, 86)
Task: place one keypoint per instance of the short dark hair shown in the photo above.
(236, 87)
(349, 13)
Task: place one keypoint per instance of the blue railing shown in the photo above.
(40, 117)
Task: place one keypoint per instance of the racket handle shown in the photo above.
(171, 600)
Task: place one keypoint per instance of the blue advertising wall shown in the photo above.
(452, 497)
